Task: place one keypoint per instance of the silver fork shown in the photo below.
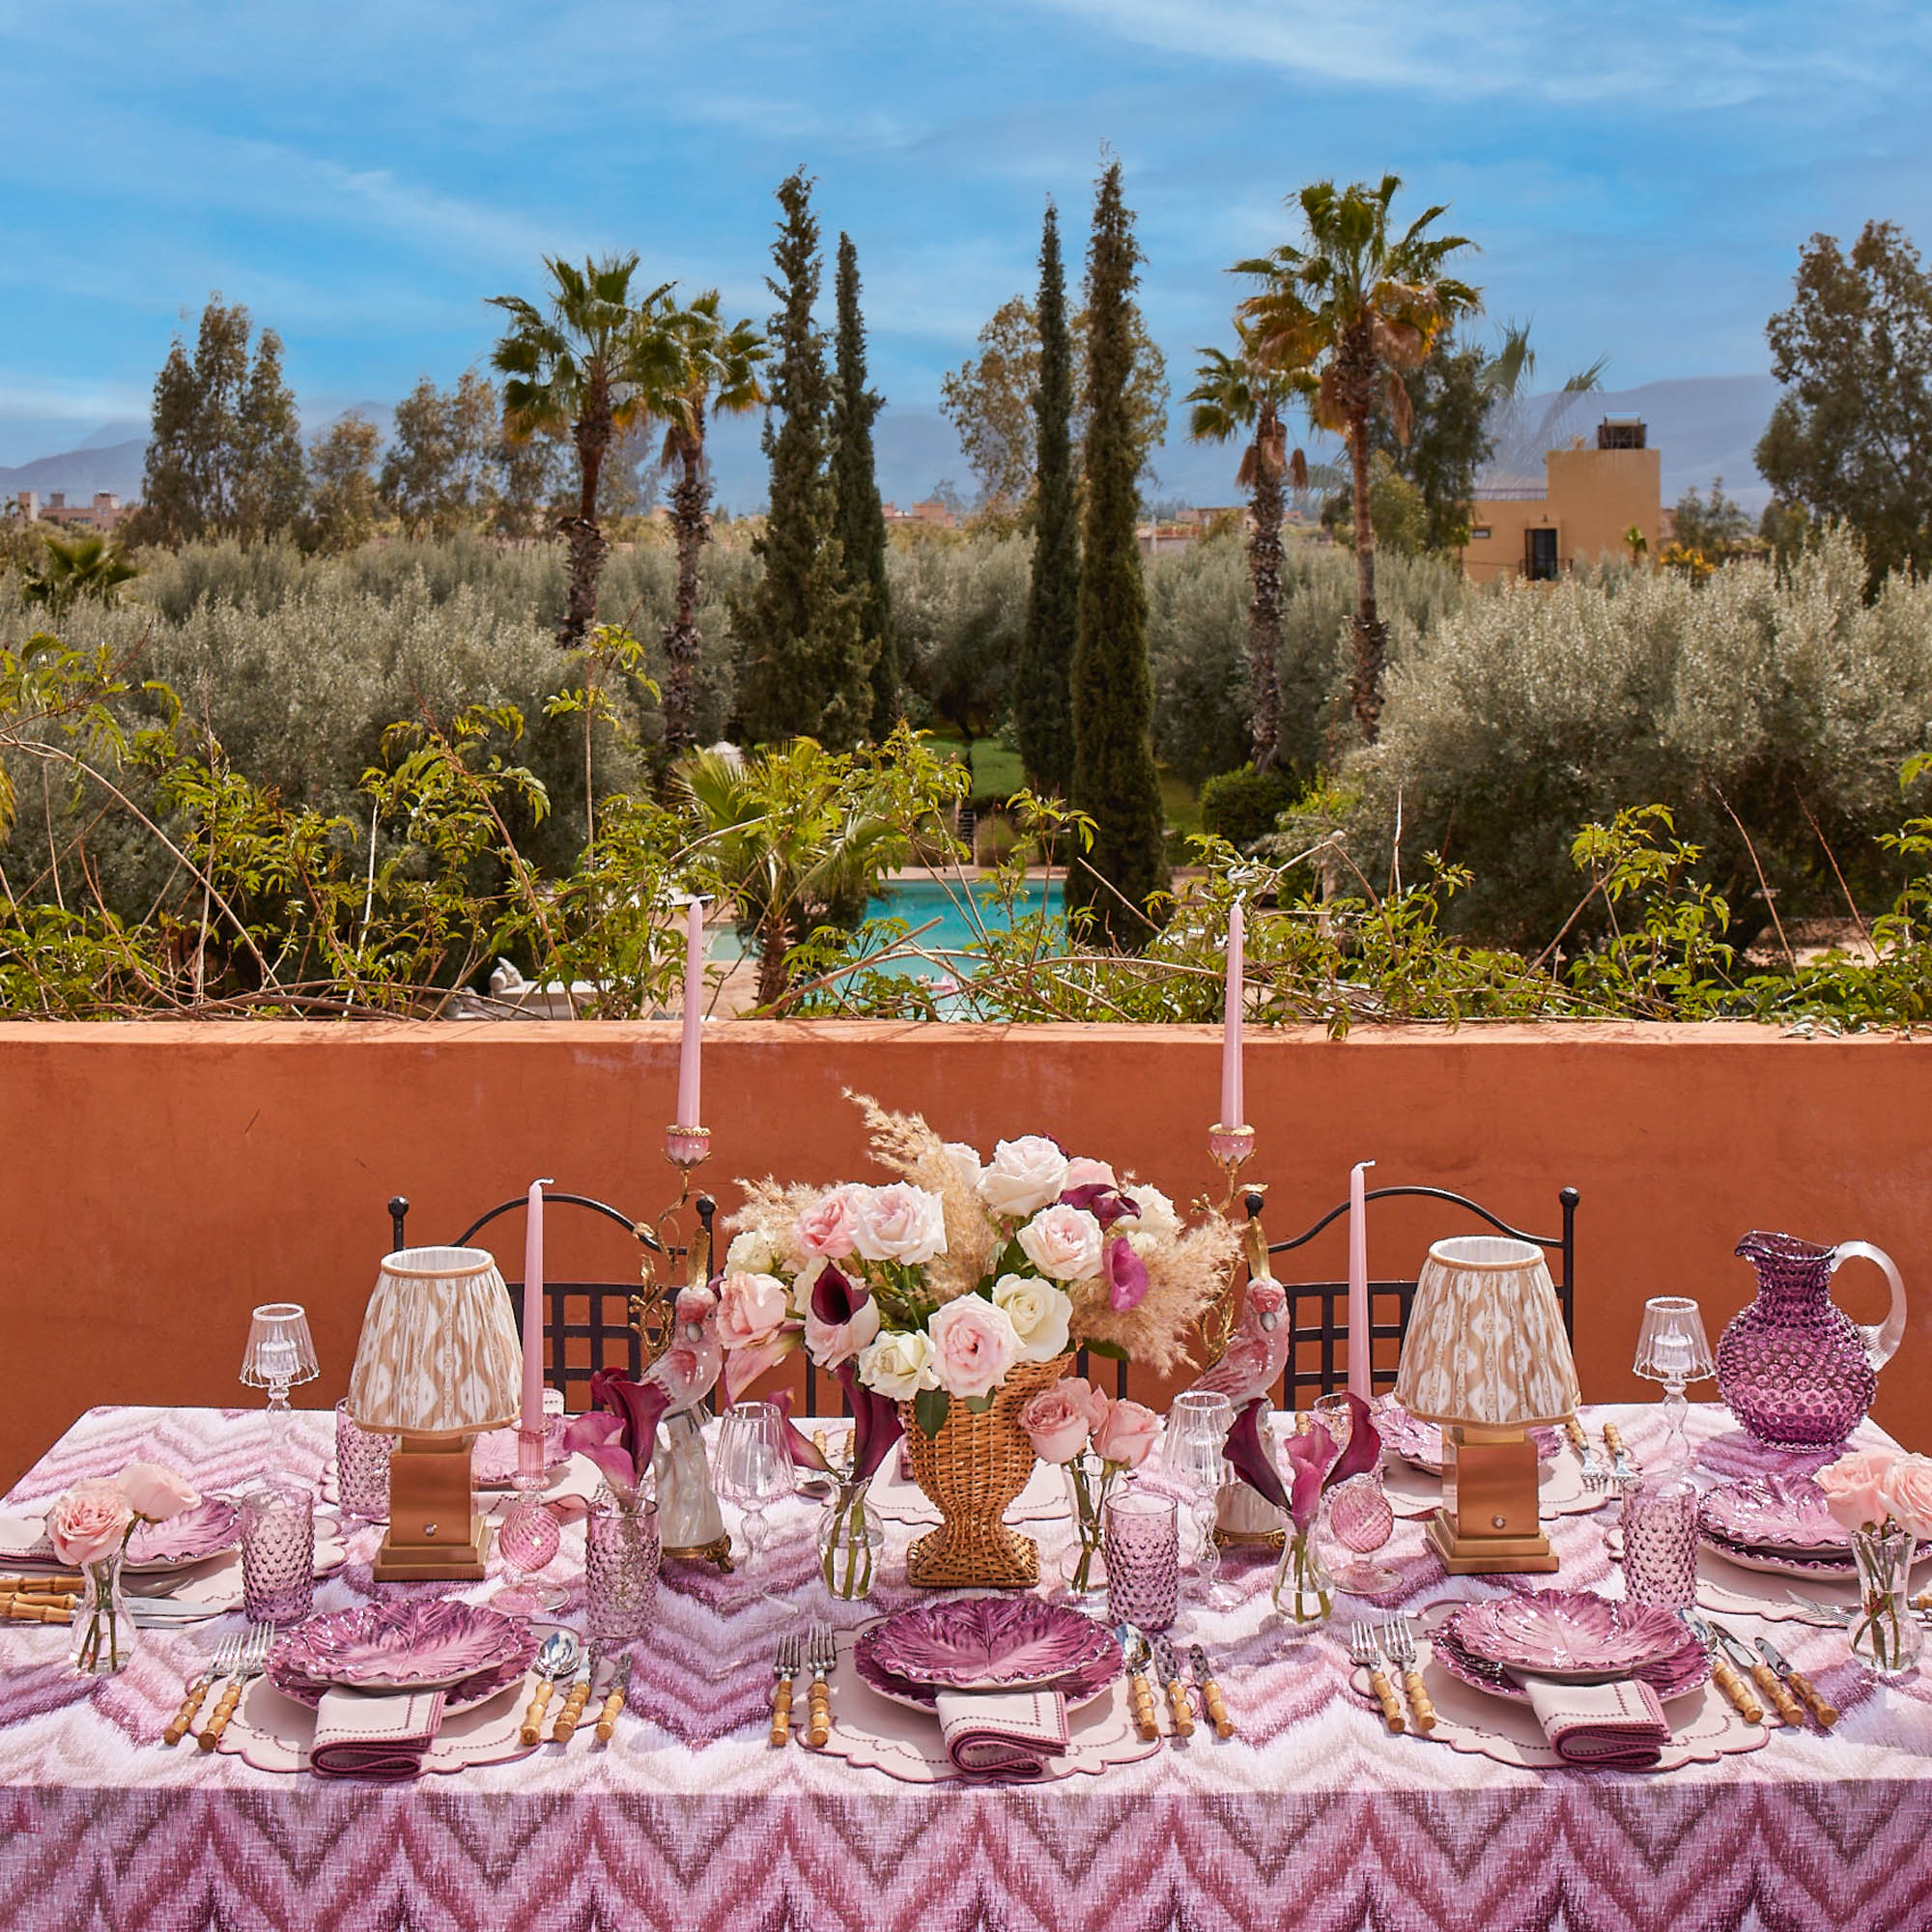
(784, 1669)
(1365, 1653)
(1595, 1475)
(818, 1657)
(1624, 1470)
(1399, 1638)
(254, 1653)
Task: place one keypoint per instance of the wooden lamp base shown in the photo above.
(1489, 1523)
(435, 1534)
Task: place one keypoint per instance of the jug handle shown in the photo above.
(1882, 1342)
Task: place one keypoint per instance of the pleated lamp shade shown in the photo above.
(1486, 1343)
(439, 1353)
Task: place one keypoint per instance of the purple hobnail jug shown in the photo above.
(1792, 1367)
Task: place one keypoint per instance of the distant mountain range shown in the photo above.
(1704, 426)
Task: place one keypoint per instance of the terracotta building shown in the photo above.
(1591, 501)
(102, 514)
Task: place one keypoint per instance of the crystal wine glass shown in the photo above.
(530, 1536)
(753, 1468)
(1192, 1460)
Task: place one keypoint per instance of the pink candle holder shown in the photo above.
(687, 1147)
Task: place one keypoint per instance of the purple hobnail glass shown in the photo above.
(621, 1553)
(1792, 1367)
(361, 1467)
(1142, 1550)
(278, 1553)
(1661, 1544)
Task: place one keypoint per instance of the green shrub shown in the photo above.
(1242, 805)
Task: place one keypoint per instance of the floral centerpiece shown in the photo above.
(1883, 1500)
(956, 1291)
(90, 1528)
(1097, 1440)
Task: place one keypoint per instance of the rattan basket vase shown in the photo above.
(973, 1469)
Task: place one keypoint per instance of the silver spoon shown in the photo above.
(557, 1659)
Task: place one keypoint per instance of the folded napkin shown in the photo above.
(1012, 1735)
(1616, 1726)
(380, 1735)
(24, 1545)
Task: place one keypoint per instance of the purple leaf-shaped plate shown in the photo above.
(988, 1644)
(1686, 1669)
(212, 1526)
(1786, 1513)
(1570, 1636)
(1791, 1562)
(1100, 1665)
(429, 1644)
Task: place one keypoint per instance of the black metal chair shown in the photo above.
(1317, 1310)
(596, 1314)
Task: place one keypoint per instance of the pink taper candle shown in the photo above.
(1361, 1351)
(532, 1418)
(694, 1016)
(1232, 1100)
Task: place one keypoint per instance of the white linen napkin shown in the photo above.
(1615, 1726)
(1010, 1735)
(24, 1545)
(380, 1735)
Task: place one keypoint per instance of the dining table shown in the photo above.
(1311, 1814)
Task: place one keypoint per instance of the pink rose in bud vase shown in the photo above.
(1907, 1494)
(1060, 1418)
(974, 1344)
(1127, 1432)
(1853, 1486)
(88, 1523)
(828, 1225)
(155, 1492)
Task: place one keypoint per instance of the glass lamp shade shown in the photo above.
(1671, 1345)
(439, 1353)
(280, 1351)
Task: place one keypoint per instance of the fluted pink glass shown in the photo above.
(1362, 1519)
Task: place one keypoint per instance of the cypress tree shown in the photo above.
(1114, 778)
(802, 668)
(855, 483)
(1042, 700)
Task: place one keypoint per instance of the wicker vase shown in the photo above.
(973, 1469)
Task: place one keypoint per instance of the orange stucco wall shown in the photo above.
(161, 1178)
(1592, 499)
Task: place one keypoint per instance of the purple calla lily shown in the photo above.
(1126, 1274)
(836, 1298)
(599, 1439)
(639, 1408)
(1249, 1458)
(1365, 1445)
(876, 1422)
(1310, 1455)
(805, 1453)
(1107, 1204)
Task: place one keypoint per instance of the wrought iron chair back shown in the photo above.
(588, 1325)
(1319, 1310)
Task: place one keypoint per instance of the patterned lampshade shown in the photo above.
(438, 1354)
(1486, 1343)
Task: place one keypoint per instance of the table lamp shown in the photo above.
(1673, 1349)
(439, 1360)
(1486, 1356)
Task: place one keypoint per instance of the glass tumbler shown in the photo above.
(1141, 1539)
(1660, 1526)
(278, 1553)
(361, 1467)
(620, 1566)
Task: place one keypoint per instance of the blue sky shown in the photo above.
(1639, 176)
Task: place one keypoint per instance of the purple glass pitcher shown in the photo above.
(1792, 1367)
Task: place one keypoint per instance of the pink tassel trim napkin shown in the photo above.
(1010, 1735)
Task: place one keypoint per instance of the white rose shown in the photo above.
(899, 1363)
(966, 1159)
(1157, 1215)
(803, 1282)
(1064, 1242)
(1039, 1313)
(899, 1223)
(1023, 1176)
(750, 1253)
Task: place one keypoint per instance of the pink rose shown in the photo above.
(1059, 1419)
(752, 1308)
(899, 1223)
(1023, 1176)
(1853, 1486)
(1084, 1173)
(974, 1344)
(1064, 1242)
(1907, 1494)
(89, 1522)
(155, 1492)
(1125, 1435)
(826, 1227)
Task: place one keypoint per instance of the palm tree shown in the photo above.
(715, 367)
(83, 565)
(1235, 393)
(585, 370)
(1352, 305)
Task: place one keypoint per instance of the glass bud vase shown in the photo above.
(103, 1628)
(1886, 1636)
(1086, 1573)
(1304, 1592)
(851, 1539)
(621, 1549)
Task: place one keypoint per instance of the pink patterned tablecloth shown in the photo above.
(1311, 1817)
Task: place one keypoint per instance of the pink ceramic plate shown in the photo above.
(416, 1646)
(1081, 1684)
(988, 1643)
(1791, 1562)
(1776, 1513)
(1685, 1670)
(213, 1525)
(1421, 1443)
(1570, 1636)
